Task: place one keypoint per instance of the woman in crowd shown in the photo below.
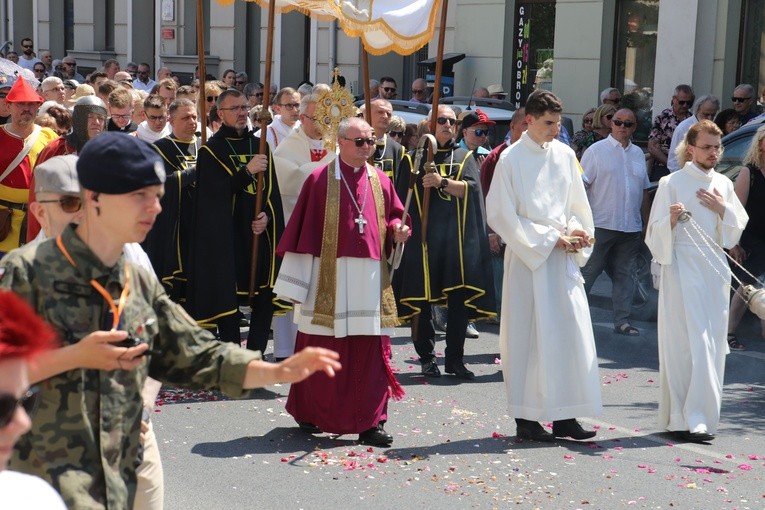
(750, 251)
(586, 136)
(728, 121)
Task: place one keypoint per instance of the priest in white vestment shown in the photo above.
(295, 158)
(695, 283)
(538, 205)
(286, 113)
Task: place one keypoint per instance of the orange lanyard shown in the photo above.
(116, 309)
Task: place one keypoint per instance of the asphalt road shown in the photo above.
(455, 447)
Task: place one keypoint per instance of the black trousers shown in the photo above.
(456, 323)
(260, 324)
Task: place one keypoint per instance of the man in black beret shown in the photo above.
(116, 326)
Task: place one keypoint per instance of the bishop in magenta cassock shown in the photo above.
(335, 249)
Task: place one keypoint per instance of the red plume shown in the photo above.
(22, 333)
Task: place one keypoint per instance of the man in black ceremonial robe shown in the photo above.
(456, 268)
(167, 244)
(228, 169)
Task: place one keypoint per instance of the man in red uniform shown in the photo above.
(21, 140)
(335, 264)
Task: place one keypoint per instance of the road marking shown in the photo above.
(655, 438)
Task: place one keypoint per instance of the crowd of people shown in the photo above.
(134, 240)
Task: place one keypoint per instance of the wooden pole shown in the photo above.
(263, 142)
(434, 114)
(201, 100)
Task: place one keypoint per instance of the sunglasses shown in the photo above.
(240, 83)
(740, 99)
(68, 64)
(389, 89)
(620, 123)
(27, 46)
(609, 117)
(38, 70)
(684, 103)
(417, 92)
(210, 99)
(443, 120)
(360, 142)
(9, 403)
(70, 204)
(587, 121)
(481, 132)
(397, 134)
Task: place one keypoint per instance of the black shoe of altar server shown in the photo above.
(376, 436)
(693, 437)
(527, 429)
(571, 428)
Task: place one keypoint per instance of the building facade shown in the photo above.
(574, 47)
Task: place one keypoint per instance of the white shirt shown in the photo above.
(677, 136)
(19, 491)
(615, 178)
(28, 63)
(146, 87)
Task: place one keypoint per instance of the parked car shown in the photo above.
(735, 146)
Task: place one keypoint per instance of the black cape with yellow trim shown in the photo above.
(221, 244)
(457, 254)
(387, 157)
(167, 243)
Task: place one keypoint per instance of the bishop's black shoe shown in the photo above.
(376, 436)
(693, 437)
(571, 428)
(527, 429)
(309, 427)
(459, 370)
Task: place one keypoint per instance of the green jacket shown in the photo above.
(85, 436)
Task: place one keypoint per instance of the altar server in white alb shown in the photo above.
(538, 205)
(695, 283)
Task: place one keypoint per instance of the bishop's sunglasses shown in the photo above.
(361, 141)
(70, 204)
(9, 403)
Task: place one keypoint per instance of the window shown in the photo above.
(751, 65)
(635, 58)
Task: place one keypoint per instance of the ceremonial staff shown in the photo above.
(264, 116)
(430, 166)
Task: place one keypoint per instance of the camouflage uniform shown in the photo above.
(85, 437)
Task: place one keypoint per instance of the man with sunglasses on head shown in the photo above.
(228, 168)
(616, 181)
(664, 125)
(23, 335)
(286, 117)
(456, 270)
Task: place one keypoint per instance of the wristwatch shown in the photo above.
(444, 183)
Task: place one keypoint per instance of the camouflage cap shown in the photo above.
(57, 175)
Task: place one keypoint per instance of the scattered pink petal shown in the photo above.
(641, 466)
(651, 470)
(753, 457)
(497, 434)
(568, 456)
(650, 380)
(729, 456)
(677, 459)
(607, 456)
(745, 467)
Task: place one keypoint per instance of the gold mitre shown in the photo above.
(333, 105)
